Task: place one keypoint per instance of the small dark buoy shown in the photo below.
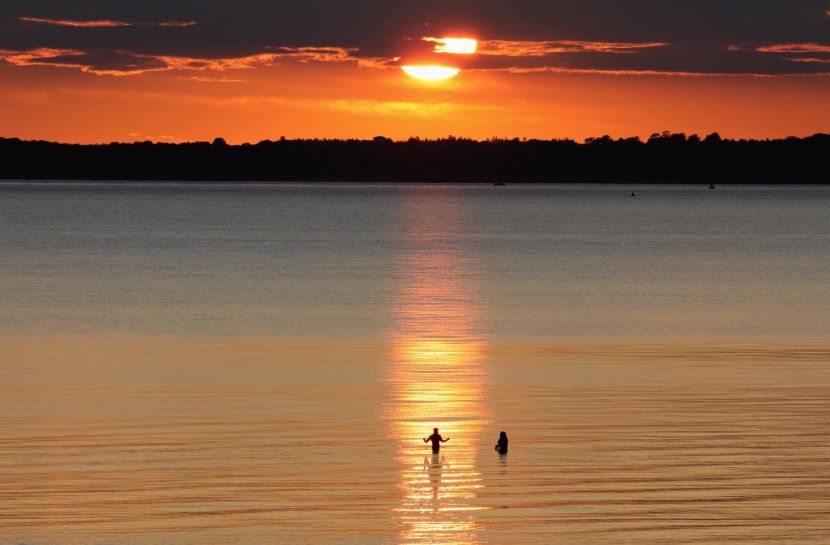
(632, 194)
(711, 186)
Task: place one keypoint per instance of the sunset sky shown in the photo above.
(98, 71)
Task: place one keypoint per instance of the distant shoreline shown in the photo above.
(377, 183)
(664, 158)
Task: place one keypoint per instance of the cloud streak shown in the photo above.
(520, 48)
(811, 53)
(177, 24)
(645, 73)
(102, 23)
(794, 48)
(35, 56)
(814, 60)
(124, 63)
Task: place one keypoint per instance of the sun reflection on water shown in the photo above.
(436, 376)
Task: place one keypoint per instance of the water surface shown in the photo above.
(212, 364)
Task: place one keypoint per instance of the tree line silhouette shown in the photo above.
(664, 158)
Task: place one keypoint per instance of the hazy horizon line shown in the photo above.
(688, 137)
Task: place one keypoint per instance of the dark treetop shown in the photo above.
(663, 158)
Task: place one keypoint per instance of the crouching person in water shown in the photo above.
(501, 446)
(436, 440)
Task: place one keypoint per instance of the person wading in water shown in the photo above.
(436, 440)
(501, 446)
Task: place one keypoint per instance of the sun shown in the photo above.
(431, 72)
(438, 72)
(457, 46)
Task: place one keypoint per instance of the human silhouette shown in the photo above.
(501, 446)
(436, 440)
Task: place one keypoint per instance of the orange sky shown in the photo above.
(314, 100)
(87, 73)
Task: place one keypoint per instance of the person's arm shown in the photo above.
(426, 439)
(445, 440)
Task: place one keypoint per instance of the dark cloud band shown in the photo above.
(671, 36)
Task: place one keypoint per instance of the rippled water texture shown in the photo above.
(251, 364)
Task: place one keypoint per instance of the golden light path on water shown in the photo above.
(436, 378)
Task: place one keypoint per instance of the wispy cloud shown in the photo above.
(99, 23)
(810, 52)
(35, 56)
(103, 23)
(298, 54)
(794, 48)
(205, 79)
(178, 24)
(520, 48)
(808, 47)
(640, 73)
(815, 60)
(125, 63)
(392, 108)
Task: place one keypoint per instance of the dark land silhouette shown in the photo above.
(663, 158)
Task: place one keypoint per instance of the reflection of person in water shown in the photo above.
(501, 446)
(436, 440)
(433, 468)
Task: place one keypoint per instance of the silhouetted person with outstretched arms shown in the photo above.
(501, 446)
(436, 440)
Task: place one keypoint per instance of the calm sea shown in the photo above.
(258, 364)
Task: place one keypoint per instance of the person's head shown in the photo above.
(434, 430)
(502, 435)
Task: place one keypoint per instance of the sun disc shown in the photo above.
(457, 46)
(431, 73)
